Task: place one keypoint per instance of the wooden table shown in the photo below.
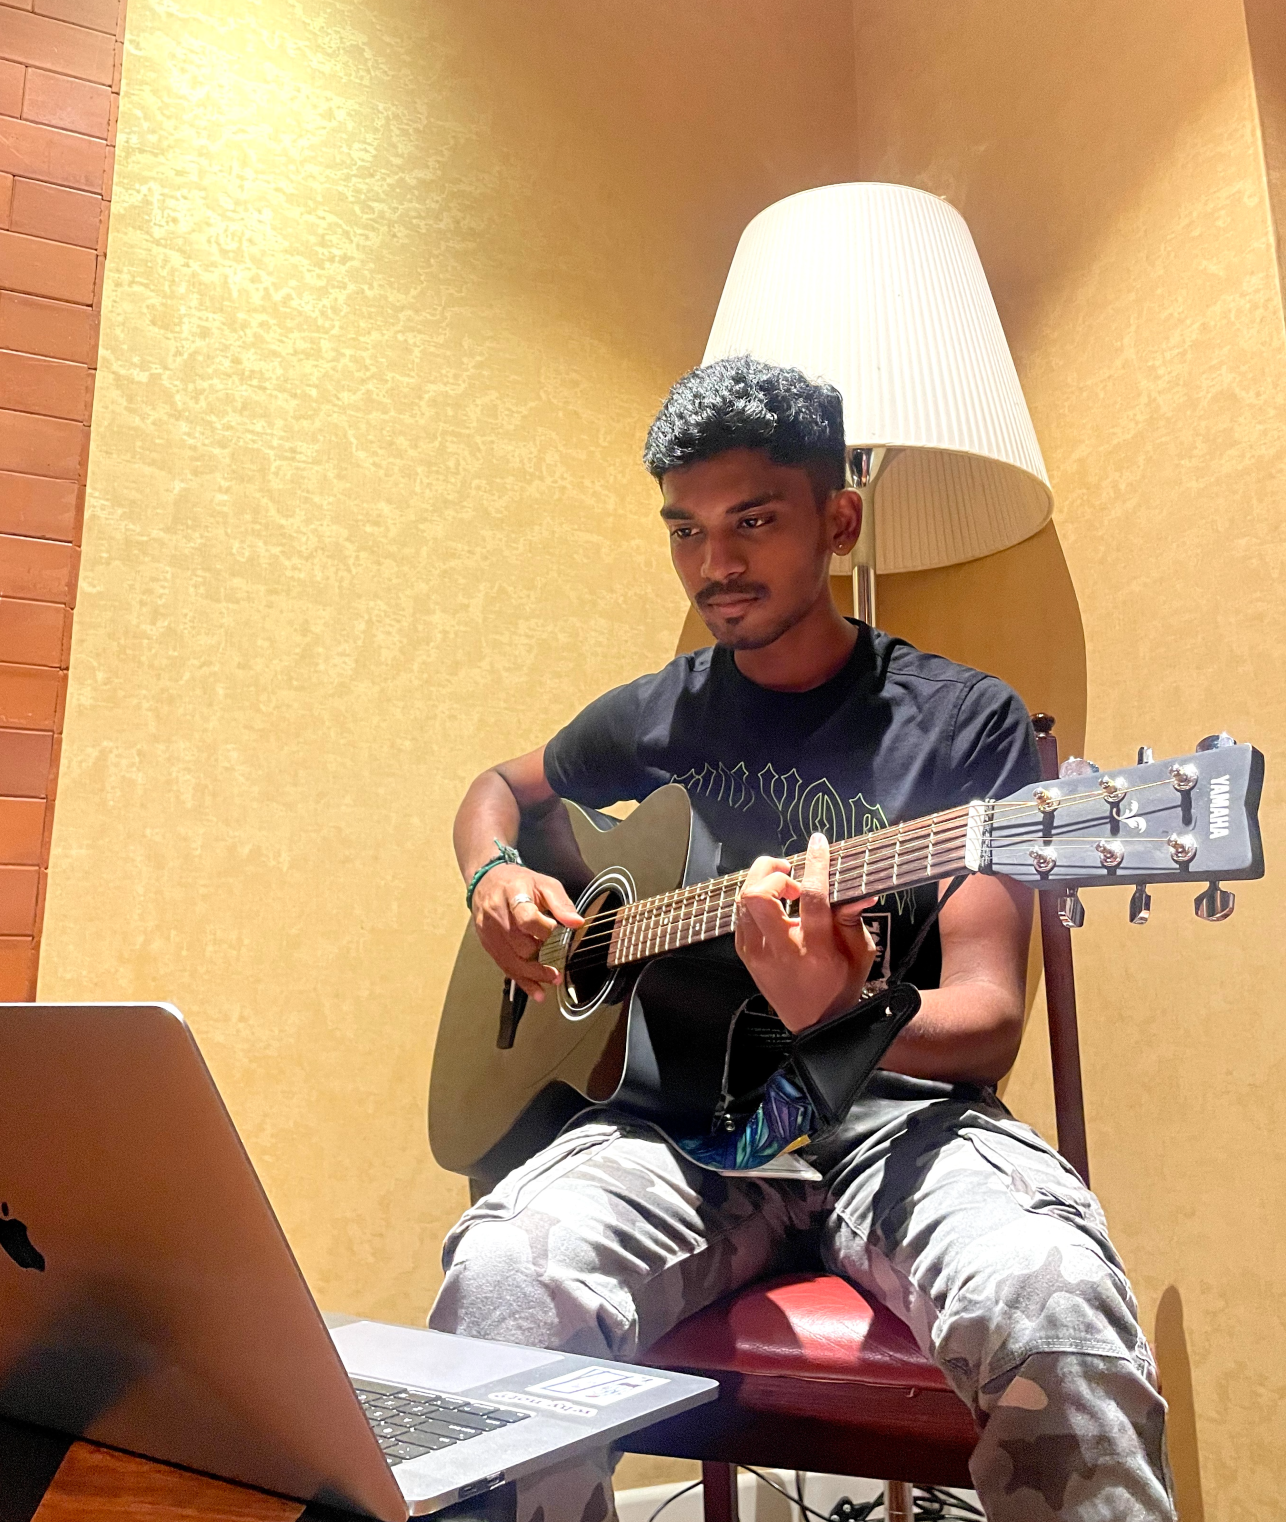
(45, 1477)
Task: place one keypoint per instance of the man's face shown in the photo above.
(750, 544)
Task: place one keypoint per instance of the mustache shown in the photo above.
(729, 589)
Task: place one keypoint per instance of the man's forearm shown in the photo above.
(487, 813)
(967, 1032)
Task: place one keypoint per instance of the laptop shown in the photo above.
(149, 1300)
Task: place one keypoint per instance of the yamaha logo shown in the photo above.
(1220, 787)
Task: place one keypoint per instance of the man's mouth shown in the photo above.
(729, 600)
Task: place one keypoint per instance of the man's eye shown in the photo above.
(684, 531)
(756, 520)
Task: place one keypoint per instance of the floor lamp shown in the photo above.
(879, 290)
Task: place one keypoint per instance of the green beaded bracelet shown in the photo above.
(508, 857)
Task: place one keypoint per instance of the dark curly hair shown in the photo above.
(743, 403)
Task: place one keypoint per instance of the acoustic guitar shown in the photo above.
(651, 982)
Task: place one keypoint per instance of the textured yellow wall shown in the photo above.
(1107, 159)
(396, 287)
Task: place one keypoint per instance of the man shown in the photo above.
(932, 1198)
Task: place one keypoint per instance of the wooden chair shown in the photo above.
(813, 1375)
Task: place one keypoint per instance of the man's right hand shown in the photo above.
(515, 911)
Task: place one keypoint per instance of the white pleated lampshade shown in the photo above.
(879, 290)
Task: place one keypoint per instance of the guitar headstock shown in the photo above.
(1190, 819)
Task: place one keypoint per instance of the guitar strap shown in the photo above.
(833, 1061)
(908, 961)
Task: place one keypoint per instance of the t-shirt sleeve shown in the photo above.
(594, 760)
(993, 749)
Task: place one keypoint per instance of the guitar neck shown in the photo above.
(896, 859)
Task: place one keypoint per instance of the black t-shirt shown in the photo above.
(893, 735)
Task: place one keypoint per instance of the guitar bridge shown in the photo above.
(513, 1005)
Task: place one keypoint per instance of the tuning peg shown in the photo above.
(1140, 905)
(1070, 909)
(1077, 766)
(1221, 741)
(1214, 904)
(1145, 754)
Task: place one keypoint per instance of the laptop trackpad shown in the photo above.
(432, 1360)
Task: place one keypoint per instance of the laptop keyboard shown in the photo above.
(411, 1423)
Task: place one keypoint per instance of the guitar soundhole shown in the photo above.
(587, 971)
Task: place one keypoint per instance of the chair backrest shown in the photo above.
(1060, 994)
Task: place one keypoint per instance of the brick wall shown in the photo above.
(60, 72)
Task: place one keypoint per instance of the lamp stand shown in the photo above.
(864, 467)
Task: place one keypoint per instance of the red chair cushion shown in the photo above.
(812, 1326)
(813, 1375)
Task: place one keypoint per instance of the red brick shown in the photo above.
(72, 104)
(28, 697)
(19, 5)
(18, 889)
(17, 952)
(100, 15)
(37, 508)
(26, 762)
(52, 387)
(31, 633)
(56, 45)
(56, 329)
(22, 824)
(50, 211)
(11, 75)
(87, 408)
(39, 267)
(45, 153)
(40, 446)
(36, 568)
(6, 198)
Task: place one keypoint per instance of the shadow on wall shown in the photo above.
(1170, 1344)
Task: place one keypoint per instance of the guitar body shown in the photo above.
(508, 1074)
(651, 982)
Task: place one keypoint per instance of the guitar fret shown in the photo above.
(910, 853)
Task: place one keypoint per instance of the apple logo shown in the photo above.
(16, 1242)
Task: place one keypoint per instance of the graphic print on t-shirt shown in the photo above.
(802, 809)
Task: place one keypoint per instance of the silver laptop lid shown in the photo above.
(148, 1299)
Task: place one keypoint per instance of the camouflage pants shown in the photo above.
(955, 1215)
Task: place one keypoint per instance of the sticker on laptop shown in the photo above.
(598, 1386)
(541, 1403)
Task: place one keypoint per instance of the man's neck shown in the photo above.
(808, 654)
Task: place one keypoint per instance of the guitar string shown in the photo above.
(680, 919)
(669, 912)
(687, 910)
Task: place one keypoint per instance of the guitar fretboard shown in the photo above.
(902, 857)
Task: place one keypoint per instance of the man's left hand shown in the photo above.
(811, 966)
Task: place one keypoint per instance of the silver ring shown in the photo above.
(521, 898)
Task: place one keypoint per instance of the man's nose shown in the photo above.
(723, 559)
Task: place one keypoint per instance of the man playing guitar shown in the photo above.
(800, 724)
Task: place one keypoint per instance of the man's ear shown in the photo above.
(844, 520)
